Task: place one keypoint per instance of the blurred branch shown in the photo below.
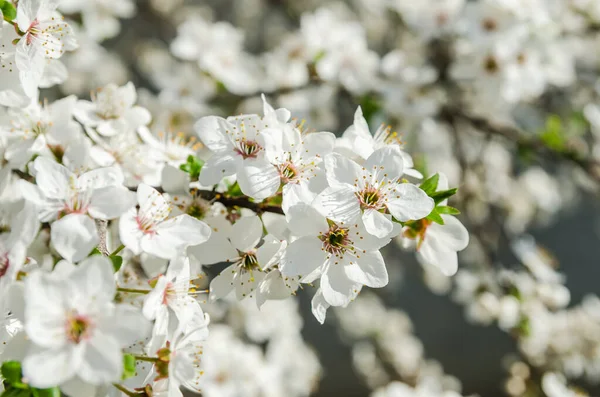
(590, 166)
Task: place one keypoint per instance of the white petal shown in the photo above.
(94, 278)
(217, 249)
(44, 311)
(246, 233)
(218, 166)
(452, 234)
(222, 285)
(211, 135)
(175, 234)
(303, 257)
(111, 202)
(342, 172)
(74, 236)
(102, 360)
(52, 178)
(339, 204)
(137, 116)
(46, 368)
(444, 259)
(338, 289)
(369, 269)
(377, 223)
(154, 299)
(386, 163)
(128, 325)
(101, 177)
(246, 282)
(305, 220)
(319, 306)
(129, 231)
(318, 143)
(258, 178)
(408, 202)
(152, 202)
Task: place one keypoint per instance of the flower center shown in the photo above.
(248, 149)
(32, 31)
(416, 230)
(336, 241)
(248, 260)
(371, 197)
(289, 173)
(78, 328)
(145, 224)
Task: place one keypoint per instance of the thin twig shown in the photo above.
(101, 227)
(590, 166)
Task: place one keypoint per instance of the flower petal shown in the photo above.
(338, 289)
(408, 202)
(246, 233)
(303, 257)
(339, 204)
(258, 178)
(342, 172)
(369, 269)
(377, 224)
(74, 236)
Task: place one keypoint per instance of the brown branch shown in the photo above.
(590, 166)
(231, 202)
(241, 202)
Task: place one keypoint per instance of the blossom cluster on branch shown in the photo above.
(154, 234)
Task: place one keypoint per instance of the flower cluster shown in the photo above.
(96, 194)
(162, 202)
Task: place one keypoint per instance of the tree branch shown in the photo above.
(590, 166)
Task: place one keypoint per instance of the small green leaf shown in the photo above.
(117, 262)
(95, 251)
(445, 209)
(430, 185)
(8, 10)
(234, 190)
(553, 135)
(442, 195)
(192, 166)
(11, 371)
(51, 392)
(128, 366)
(435, 217)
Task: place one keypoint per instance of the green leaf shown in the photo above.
(8, 10)
(553, 135)
(51, 392)
(128, 366)
(95, 251)
(442, 195)
(445, 209)
(234, 190)
(430, 185)
(192, 166)
(16, 392)
(117, 262)
(11, 371)
(435, 217)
